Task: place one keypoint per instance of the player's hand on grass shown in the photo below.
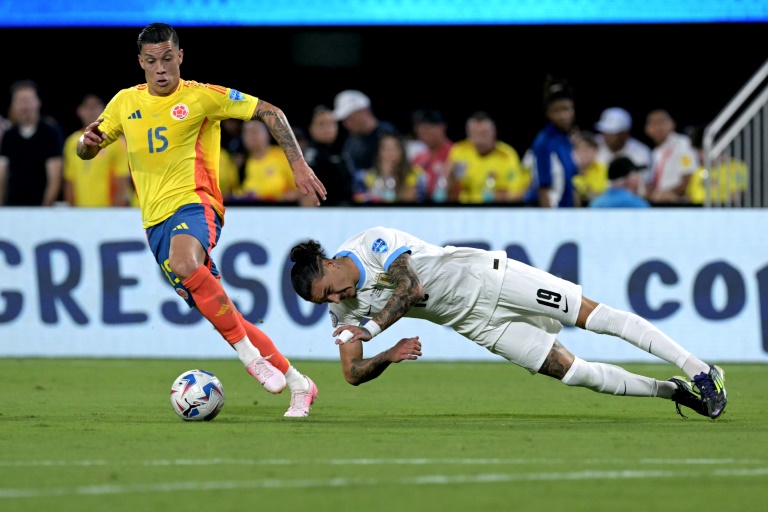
(406, 348)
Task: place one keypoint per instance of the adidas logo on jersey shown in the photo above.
(183, 225)
(135, 115)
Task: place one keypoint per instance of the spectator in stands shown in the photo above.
(614, 139)
(625, 184)
(229, 174)
(726, 180)
(232, 140)
(673, 159)
(363, 129)
(266, 175)
(102, 181)
(31, 153)
(483, 169)
(393, 178)
(551, 157)
(592, 177)
(430, 128)
(5, 125)
(332, 165)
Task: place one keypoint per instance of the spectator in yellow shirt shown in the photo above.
(266, 175)
(483, 169)
(592, 179)
(727, 179)
(102, 181)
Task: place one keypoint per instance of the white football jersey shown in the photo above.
(461, 284)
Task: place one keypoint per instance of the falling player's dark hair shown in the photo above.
(307, 258)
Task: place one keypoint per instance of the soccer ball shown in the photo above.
(197, 395)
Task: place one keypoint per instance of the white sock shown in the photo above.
(246, 351)
(295, 380)
(666, 389)
(610, 379)
(644, 335)
(694, 366)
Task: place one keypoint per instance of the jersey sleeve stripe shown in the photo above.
(394, 256)
(206, 181)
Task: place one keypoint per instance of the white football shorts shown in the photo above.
(532, 308)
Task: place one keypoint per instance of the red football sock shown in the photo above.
(213, 302)
(265, 345)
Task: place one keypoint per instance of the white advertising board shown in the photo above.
(83, 283)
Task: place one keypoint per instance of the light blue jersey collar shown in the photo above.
(359, 264)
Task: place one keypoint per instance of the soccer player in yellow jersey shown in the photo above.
(102, 181)
(172, 130)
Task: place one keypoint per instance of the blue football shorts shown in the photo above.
(198, 220)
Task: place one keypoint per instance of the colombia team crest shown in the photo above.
(179, 111)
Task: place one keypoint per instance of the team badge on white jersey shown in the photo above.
(379, 246)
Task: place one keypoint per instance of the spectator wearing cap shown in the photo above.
(625, 184)
(430, 129)
(551, 157)
(353, 110)
(614, 139)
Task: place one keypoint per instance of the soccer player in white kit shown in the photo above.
(510, 308)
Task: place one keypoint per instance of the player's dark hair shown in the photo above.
(157, 33)
(307, 261)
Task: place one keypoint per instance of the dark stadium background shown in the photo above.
(692, 70)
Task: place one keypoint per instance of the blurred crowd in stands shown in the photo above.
(363, 159)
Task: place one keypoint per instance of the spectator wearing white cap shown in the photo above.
(614, 140)
(363, 129)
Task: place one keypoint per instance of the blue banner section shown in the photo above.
(135, 13)
(82, 282)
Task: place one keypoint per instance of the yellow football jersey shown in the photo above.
(593, 182)
(174, 143)
(480, 175)
(268, 179)
(92, 179)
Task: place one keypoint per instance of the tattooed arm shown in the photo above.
(358, 370)
(303, 175)
(408, 292)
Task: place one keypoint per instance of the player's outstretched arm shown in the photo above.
(358, 370)
(306, 180)
(408, 292)
(88, 143)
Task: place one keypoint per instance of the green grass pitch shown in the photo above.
(100, 435)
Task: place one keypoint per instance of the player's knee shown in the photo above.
(183, 267)
(606, 320)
